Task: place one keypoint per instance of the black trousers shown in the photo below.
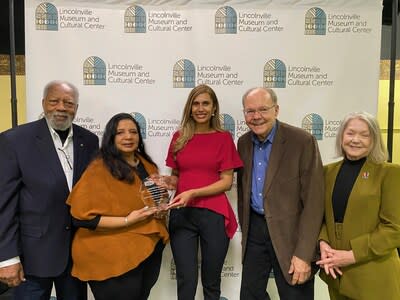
(133, 285)
(188, 227)
(258, 262)
(3, 288)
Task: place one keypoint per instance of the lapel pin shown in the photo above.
(365, 175)
(81, 145)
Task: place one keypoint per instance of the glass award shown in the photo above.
(154, 194)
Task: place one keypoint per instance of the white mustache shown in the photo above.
(60, 115)
(61, 124)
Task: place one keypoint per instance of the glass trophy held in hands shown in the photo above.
(154, 194)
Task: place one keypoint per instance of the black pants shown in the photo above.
(259, 259)
(39, 288)
(3, 288)
(133, 285)
(189, 226)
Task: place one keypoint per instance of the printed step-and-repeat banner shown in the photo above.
(143, 57)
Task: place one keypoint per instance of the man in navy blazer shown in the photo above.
(39, 163)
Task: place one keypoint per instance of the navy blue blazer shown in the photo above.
(35, 222)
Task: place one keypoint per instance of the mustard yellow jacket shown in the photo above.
(371, 228)
(99, 255)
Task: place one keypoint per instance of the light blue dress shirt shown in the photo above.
(261, 153)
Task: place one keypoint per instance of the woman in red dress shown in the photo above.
(203, 157)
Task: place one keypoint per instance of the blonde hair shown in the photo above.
(188, 125)
(378, 152)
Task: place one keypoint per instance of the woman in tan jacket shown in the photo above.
(119, 243)
(361, 230)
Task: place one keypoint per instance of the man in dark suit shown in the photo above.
(39, 163)
(280, 201)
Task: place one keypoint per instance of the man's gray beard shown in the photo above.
(64, 126)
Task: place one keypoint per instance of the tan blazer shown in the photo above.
(293, 194)
(371, 228)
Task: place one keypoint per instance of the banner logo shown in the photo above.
(135, 20)
(274, 74)
(315, 22)
(172, 272)
(142, 123)
(94, 71)
(226, 21)
(184, 74)
(46, 17)
(349, 23)
(259, 22)
(314, 124)
(228, 124)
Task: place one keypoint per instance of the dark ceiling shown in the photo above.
(19, 24)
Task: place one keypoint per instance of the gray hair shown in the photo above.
(54, 83)
(270, 91)
(378, 153)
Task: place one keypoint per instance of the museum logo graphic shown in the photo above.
(49, 17)
(135, 19)
(156, 128)
(184, 74)
(315, 22)
(278, 75)
(226, 20)
(320, 128)
(46, 17)
(228, 124)
(274, 74)
(314, 124)
(94, 71)
(142, 123)
(187, 75)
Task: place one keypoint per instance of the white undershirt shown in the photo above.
(65, 154)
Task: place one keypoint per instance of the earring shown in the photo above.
(213, 114)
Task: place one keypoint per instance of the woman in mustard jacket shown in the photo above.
(119, 243)
(361, 230)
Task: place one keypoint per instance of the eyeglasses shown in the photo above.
(67, 103)
(262, 111)
(67, 158)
